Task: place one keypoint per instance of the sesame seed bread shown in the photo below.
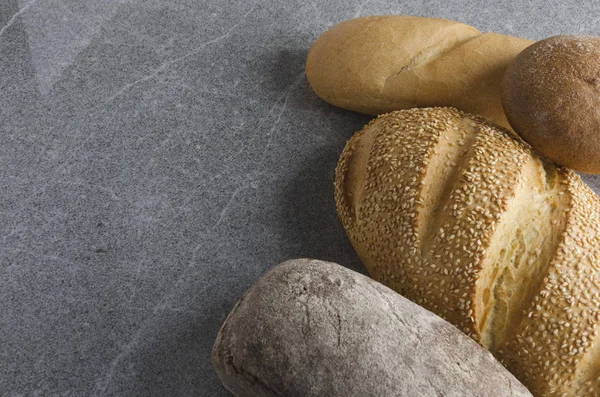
(457, 215)
(377, 64)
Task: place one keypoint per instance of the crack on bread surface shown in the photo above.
(467, 224)
(554, 349)
(520, 252)
(446, 161)
(446, 41)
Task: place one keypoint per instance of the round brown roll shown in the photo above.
(551, 97)
(454, 213)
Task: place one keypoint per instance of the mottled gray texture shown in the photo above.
(310, 328)
(156, 158)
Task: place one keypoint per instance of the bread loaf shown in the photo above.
(550, 95)
(313, 328)
(377, 64)
(455, 214)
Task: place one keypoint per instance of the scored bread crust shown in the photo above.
(378, 64)
(460, 217)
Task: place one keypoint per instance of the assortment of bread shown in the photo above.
(454, 213)
(446, 205)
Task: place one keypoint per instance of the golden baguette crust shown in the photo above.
(455, 214)
(377, 64)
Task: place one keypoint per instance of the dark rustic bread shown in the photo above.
(460, 217)
(312, 328)
(551, 97)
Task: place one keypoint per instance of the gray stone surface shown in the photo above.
(157, 157)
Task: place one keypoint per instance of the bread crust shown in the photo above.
(551, 95)
(459, 216)
(310, 328)
(378, 64)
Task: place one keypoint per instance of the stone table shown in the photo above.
(156, 158)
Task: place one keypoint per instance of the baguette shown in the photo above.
(460, 217)
(377, 64)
